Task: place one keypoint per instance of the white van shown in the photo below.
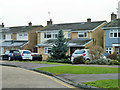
(26, 54)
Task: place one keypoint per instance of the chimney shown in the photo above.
(49, 22)
(113, 16)
(3, 25)
(29, 24)
(89, 20)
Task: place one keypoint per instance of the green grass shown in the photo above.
(111, 83)
(79, 70)
(42, 62)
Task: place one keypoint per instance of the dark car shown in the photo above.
(37, 56)
(12, 55)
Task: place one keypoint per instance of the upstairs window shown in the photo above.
(82, 34)
(114, 33)
(50, 35)
(20, 35)
(11, 36)
(4, 36)
(25, 34)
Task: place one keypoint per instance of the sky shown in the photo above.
(21, 12)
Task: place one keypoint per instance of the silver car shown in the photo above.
(82, 52)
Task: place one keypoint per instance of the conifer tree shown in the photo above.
(60, 47)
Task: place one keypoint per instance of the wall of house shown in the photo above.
(109, 41)
(14, 36)
(8, 36)
(42, 39)
(98, 36)
(104, 41)
(89, 45)
(32, 37)
(41, 51)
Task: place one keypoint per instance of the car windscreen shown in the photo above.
(12, 51)
(16, 52)
(80, 52)
(26, 52)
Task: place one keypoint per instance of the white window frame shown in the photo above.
(25, 34)
(83, 34)
(20, 35)
(113, 32)
(108, 50)
(52, 35)
(46, 50)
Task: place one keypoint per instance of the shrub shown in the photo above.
(87, 62)
(114, 62)
(118, 57)
(96, 52)
(50, 59)
(112, 56)
(93, 62)
(103, 61)
(78, 60)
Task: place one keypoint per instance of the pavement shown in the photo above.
(75, 78)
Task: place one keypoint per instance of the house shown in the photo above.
(112, 35)
(79, 35)
(20, 37)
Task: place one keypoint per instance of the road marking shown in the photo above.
(49, 77)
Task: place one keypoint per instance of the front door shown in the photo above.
(117, 50)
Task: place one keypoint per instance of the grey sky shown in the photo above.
(20, 12)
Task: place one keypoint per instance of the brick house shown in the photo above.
(112, 36)
(20, 37)
(79, 35)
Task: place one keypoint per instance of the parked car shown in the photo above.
(82, 52)
(12, 55)
(37, 56)
(26, 54)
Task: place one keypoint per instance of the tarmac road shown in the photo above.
(13, 77)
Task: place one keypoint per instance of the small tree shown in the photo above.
(96, 52)
(60, 47)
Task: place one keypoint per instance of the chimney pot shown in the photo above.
(113, 16)
(89, 20)
(29, 24)
(3, 25)
(49, 22)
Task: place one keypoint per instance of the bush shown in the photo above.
(118, 57)
(93, 62)
(78, 60)
(50, 59)
(87, 62)
(114, 62)
(112, 56)
(103, 61)
(96, 52)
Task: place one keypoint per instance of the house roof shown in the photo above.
(13, 43)
(21, 28)
(71, 42)
(74, 26)
(114, 23)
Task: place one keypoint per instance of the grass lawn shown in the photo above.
(111, 83)
(79, 70)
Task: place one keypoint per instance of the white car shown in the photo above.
(82, 52)
(26, 54)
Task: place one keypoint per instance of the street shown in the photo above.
(13, 77)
